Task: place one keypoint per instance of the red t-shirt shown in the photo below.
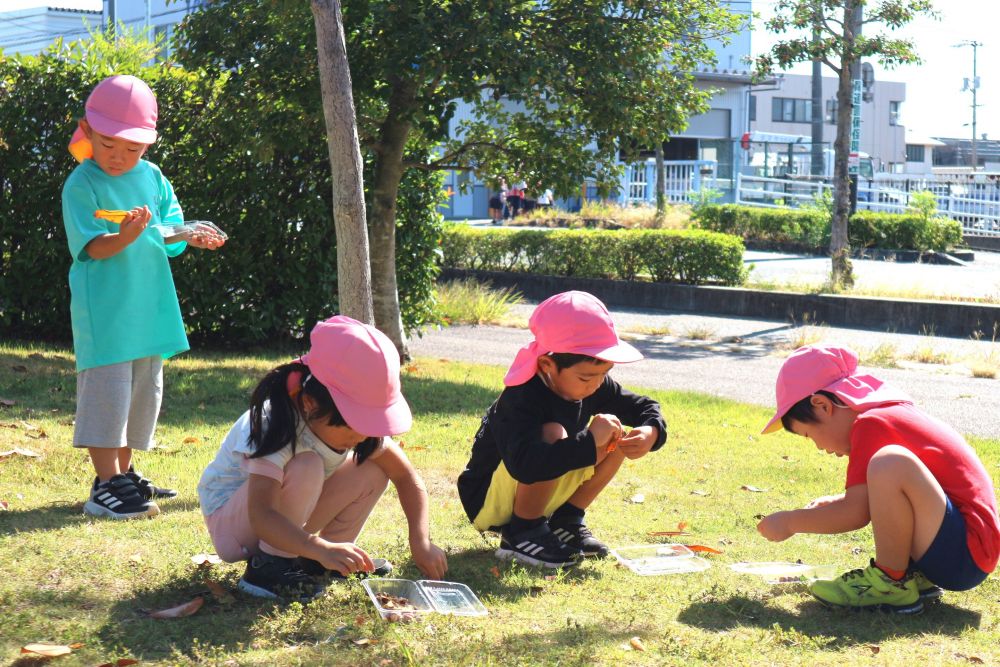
(950, 459)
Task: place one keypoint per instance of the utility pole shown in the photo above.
(973, 86)
(817, 163)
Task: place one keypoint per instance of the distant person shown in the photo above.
(299, 473)
(496, 209)
(554, 439)
(123, 304)
(927, 495)
(515, 198)
(545, 199)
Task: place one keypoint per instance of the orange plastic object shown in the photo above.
(116, 217)
(702, 548)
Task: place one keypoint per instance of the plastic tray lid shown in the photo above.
(776, 572)
(397, 588)
(653, 559)
(448, 597)
(182, 232)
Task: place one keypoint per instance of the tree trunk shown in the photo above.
(841, 274)
(354, 284)
(661, 186)
(388, 174)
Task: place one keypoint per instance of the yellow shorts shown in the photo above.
(499, 504)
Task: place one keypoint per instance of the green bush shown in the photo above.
(683, 256)
(236, 154)
(808, 229)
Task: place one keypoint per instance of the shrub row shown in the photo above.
(689, 256)
(809, 229)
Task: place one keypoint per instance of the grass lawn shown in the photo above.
(68, 578)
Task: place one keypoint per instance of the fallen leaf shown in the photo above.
(667, 533)
(19, 368)
(48, 650)
(205, 560)
(974, 659)
(7, 403)
(682, 525)
(699, 492)
(180, 611)
(874, 648)
(637, 498)
(76, 645)
(786, 457)
(551, 577)
(495, 571)
(637, 644)
(411, 368)
(40, 435)
(123, 662)
(135, 558)
(702, 548)
(4, 505)
(190, 439)
(747, 487)
(725, 540)
(418, 448)
(360, 619)
(220, 592)
(17, 451)
(364, 641)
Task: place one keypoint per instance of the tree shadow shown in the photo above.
(434, 396)
(843, 628)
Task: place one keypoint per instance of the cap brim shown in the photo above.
(773, 426)
(111, 128)
(622, 353)
(377, 421)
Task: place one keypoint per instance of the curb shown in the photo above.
(939, 318)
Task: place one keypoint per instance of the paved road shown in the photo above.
(740, 359)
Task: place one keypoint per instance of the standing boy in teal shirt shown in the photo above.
(124, 309)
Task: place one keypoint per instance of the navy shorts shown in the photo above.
(948, 562)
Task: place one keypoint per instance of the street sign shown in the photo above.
(854, 161)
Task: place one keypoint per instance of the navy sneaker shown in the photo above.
(536, 546)
(573, 532)
(276, 577)
(316, 569)
(147, 489)
(118, 498)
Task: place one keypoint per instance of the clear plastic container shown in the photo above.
(421, 597)
(776, 572)
(176, 233)
(654, 559)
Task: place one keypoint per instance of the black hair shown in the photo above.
(564, 360)
(282, 423)
(804, 412)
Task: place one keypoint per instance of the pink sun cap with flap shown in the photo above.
(120, 106)
(570, 322)
(829, 368)
(359, 366)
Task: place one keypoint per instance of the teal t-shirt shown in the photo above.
(123, 307)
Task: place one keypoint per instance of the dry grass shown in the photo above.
(884, 355)
(603, 214)
(698, 332)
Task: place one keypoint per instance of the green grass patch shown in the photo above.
(471, 302)
(69, 578)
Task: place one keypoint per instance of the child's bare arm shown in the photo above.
(273, 527)
(839, 516)
(428, 558)
(109, 245)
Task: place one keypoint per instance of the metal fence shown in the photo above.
(682, 177)
(979, 215)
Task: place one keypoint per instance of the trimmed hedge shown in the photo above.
(691, 256)
(809, 229)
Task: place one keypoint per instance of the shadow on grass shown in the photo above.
(840, 627)
(430, 396)
(51, 516)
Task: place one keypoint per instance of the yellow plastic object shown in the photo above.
(116, 217)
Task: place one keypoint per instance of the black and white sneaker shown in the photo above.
(574, 533)
(276, 577)
(536, 546)
(147, 489)
(118, 498)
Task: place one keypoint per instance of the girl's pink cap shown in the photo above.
(359, 366)
(123, 106)
(573, 322)
(816, 368)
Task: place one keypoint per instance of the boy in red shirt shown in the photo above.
(928, 496)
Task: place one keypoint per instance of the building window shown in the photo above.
(894, 113)
(789, 110)
(753, 107)
(914, 153)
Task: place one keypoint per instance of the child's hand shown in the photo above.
(825, 500)
(638, 441)
(775, 527)
(605, 429)
(429, 559)
(134, 223)
(346, 558)
(206, 240)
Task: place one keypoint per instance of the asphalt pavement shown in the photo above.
(738, 358)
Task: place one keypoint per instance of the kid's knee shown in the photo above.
(553, 432)
(891, 463)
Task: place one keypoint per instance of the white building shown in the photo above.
(920, 154)
(31, 31)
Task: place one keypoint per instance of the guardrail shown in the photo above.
(682, 177)
(978, 216)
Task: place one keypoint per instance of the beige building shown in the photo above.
(788, 111)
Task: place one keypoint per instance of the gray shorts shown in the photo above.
(117, 405)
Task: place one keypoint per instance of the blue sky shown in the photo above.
(935, 105)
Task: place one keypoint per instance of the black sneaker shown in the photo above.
(147, 489)
(316, 569)
(573, 532)
(536, 546)
(275, 577)
(118, 498)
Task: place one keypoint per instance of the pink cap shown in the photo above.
(123, 106)
(816, 368)
(573, 322)
(359, 366)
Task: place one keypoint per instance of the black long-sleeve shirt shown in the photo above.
(511, 432)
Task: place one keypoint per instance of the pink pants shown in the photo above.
(336, 508)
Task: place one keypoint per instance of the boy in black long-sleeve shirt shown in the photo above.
(554, 438)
